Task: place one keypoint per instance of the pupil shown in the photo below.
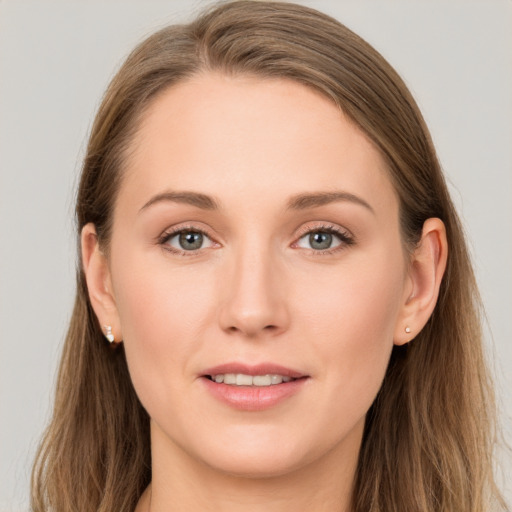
(320, 240)
(191, 240)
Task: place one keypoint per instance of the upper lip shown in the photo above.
(259, 369)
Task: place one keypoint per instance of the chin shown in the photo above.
(259, 457)
(258, 466)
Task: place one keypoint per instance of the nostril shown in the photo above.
(267, 328)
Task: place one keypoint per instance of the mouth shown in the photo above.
(253, 388)
(241, 379)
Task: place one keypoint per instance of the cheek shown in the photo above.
(360, 300)
(160, 311)
(351, 317)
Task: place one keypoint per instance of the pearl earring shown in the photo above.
(407, 329)
(108, 334)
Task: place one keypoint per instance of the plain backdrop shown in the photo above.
(56, 58)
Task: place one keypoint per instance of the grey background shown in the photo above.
(56, 57)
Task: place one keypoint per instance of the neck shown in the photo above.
(180, 482)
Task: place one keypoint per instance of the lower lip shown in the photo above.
(254, 398)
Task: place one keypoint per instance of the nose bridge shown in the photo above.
(254, 302)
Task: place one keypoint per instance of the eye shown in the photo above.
(186, 240)
(324, 239)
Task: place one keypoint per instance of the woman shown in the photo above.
(275, 308)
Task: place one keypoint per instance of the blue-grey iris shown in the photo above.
(320, 240)
(191, 240)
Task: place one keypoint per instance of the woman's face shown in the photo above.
(256, 233)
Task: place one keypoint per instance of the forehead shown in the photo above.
(249, 138)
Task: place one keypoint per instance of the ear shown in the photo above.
(427, 266)
(99, 284)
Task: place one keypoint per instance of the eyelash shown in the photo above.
(344, 236)
(167, 235)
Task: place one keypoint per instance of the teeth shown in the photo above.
(263, 380)
(240, 379)
(230, 378)
(243, 380)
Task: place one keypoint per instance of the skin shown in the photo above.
(258, 290)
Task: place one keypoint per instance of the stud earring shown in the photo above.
(407, 329)
(108, 334)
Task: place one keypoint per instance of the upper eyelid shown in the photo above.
(323, 226)
(174, 230)
(345, 235)
(304, 230)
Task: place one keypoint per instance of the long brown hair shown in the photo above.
(429, 436)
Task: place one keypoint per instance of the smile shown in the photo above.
(253, 387)
(241, 379)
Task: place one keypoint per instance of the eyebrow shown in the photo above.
(296, 202)
(192, 198)
(316, 199)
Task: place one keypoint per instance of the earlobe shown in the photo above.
(427, 267)
(99, 285)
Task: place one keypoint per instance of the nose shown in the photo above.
(253, 298)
